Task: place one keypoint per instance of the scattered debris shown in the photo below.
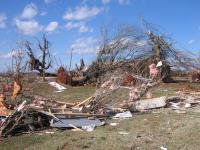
(150, 104)
(123, 115)
(59, 87)
(89, 128)
(24, 121)
(86, 115)
(113, 124)
(163, 148)
(153, 71)
(188, 105)
(128, 80)
(123, 133)
(159, 64)
(41, 113)
(180, 111)
(78, 122)
(48, 132)
(16, 90)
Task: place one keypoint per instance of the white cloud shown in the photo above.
(52, 26)
(87, 45)
(71, 25)
(84, 28)
(28, 27)
(11, 54)
(81, 13)
(3, 20)
(25, 23)
(124, 2)
(29, 11)
(106, 1)
(191, 41)
(43, 13)
(78, 25)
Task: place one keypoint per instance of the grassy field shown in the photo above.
(145, 131)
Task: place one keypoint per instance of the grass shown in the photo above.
(145, 131)
(71, 94)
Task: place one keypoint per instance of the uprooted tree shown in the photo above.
(43, 63)
(133, 50)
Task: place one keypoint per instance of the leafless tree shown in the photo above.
(43, 63)
(121, 45)
(18, 64)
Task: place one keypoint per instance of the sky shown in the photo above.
(76, 24)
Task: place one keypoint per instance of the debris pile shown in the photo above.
(42, 113)
(24, 120)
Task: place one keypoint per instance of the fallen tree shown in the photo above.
(133, 51)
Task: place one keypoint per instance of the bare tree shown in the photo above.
(125, 44)
(43, 63)
(121, 45)
(18, 69)
(18, 66)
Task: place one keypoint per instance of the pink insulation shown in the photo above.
(153, 70)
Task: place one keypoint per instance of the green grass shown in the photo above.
(71, 94)
(171, 88)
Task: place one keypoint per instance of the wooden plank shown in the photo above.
(83, 102)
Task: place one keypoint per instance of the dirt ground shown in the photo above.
(146, 131)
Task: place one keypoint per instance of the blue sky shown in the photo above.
(76, 23)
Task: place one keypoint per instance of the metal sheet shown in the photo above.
(78, 122)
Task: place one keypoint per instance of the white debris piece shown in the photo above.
(159, 64)
(123, 133)
(188, 105)
(89, 128)
(150, 103)
(123, 115)
(48, 132)
(163, 148)
(21, 106)
(113, 124)
(174, 105)
(59, 87)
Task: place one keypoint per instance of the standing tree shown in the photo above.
(43, 63)
(18, 69)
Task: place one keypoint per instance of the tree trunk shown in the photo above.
(158, 53)
(43, 66)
